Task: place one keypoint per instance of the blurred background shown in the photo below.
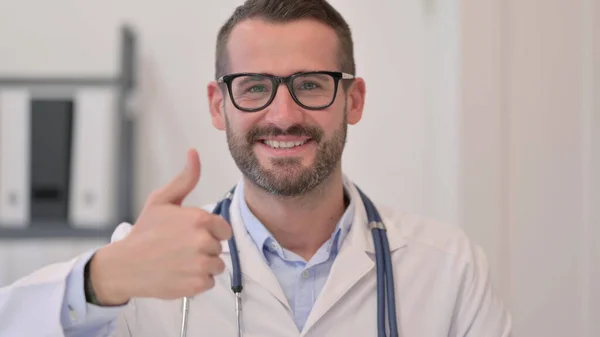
(481, 114)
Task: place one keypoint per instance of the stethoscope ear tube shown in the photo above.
(223, 210)
(389, 280)
(384, 270)
(385, 282)
(379, 268)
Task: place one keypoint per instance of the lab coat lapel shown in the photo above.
(252, 263)
(355, 259)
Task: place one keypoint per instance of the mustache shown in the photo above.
(257, 132)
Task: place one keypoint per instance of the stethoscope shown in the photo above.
(383, 266)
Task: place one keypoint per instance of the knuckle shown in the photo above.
(153, 197)
(204, 241)
(210, 282)
(221, 229)
(207, 265)
(151, 215)
(220, 266)
(200, 262)
(227, 230)
(203, 264)
(202, 284)
(198, 286)
(197, 217)
(203, 237)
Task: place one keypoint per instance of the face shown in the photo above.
(284, 148)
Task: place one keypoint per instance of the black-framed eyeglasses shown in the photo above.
(313, 90)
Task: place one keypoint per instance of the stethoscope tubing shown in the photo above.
(383, 267)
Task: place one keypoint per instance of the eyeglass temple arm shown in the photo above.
(346, 76)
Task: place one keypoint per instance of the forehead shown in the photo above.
(282, 48)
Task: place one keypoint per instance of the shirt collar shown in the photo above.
(261, 235)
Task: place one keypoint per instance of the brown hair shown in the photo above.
(282, 11)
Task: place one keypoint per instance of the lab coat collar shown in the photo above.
(360, 235)
(355, 259)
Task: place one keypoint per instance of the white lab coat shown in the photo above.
(441, 279)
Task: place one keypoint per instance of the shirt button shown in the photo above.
(305, 274)
(73, 315)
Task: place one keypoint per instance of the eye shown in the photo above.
(257, 89)
(309, 86)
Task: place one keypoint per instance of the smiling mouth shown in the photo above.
(284, 144)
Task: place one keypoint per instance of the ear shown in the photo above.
(356, 100)
(216, 105)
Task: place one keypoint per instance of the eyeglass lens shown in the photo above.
(255, 91)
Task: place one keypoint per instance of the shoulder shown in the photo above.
(449, 266)
(432, 236)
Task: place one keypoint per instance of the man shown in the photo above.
(284, 94)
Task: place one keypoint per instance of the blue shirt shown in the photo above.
(300, 280)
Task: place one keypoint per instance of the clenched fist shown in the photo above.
(171, 252)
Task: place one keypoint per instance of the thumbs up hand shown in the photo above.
(171, 252)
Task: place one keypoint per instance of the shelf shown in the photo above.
(55, 231)
(124, 82)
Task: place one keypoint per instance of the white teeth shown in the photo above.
(283, 145)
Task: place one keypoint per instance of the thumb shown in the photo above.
(179, 188)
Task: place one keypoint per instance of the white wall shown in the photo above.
(593, 184)
(408, 124)
(530, 157)
(482, 122)
(441, 99)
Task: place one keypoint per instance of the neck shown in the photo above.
(303, 223)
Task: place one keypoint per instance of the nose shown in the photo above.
(283, 112)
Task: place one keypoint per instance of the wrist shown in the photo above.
(88, 287)
(103, 285)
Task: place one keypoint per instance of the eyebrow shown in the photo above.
(252, 79)
(259, 76)
(319, 76)
(305, 71)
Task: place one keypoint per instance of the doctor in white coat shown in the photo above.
(306, 252)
